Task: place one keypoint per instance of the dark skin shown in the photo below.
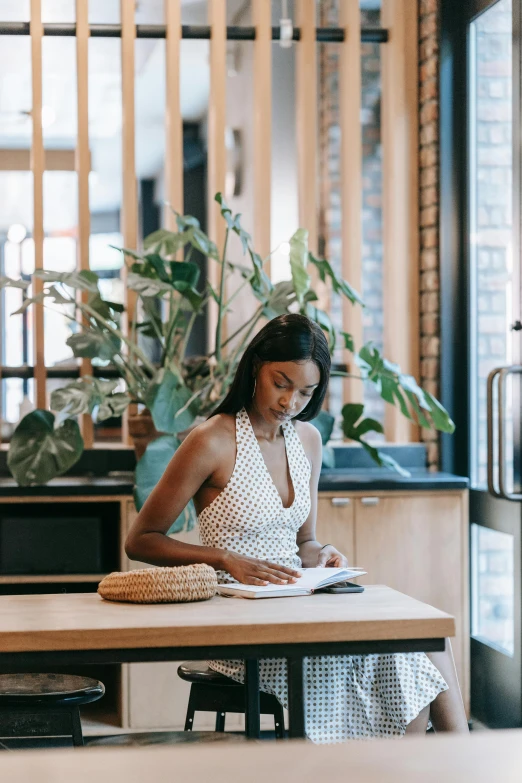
(203, 465)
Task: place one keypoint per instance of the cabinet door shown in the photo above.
(418, 544)
(335, 523)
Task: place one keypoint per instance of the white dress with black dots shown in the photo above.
(347, 696)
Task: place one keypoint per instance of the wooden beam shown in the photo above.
(306, 121)
(399, 68)
(82, 168)
(351, 182)
(37, 167)
(261, 13)
(216, 146)
(129, 205)
(173, 120)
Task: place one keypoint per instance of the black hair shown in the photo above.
(287, 338)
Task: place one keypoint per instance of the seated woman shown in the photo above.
(253, 471)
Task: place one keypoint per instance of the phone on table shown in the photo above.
(344, 587)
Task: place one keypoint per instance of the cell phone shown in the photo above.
(344, 587)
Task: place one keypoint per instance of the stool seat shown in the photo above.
(52, 690)
(198, 671)
(166, 738)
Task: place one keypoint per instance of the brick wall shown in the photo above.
(429, 208)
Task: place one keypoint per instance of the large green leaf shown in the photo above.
(75, 398)
(280, 299)
(184, 272)
(166, 243)
(355, 427)
(94, 345)
(8, 282)
(339, 285)
(150, 469)
(112, 405)
(298, 261)
(147, 286)
(167, 400)
(38, 452)
(84, 280)
(396, 387)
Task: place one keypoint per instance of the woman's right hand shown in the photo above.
(251, 571)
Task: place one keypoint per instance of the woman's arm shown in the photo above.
(311, 552)
(192, 464)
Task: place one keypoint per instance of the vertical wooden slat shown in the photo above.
(129, 205)
(174, 124)
(37, 167)
(216, 145)
(306, 120)
(82, 170)
(351, 181)
(400, 199)
(261, 13)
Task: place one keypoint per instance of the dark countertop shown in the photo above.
(371, 480)
(340, 480)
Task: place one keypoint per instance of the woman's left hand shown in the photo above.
(330, 557)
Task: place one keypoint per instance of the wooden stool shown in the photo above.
(45, 705)
(211, 691)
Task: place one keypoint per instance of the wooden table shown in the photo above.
(486, 757)
(79, 628)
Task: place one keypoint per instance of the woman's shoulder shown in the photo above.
(215, 434)
(310, 437)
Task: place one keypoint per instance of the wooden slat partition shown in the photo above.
(82, 169)
(261, 13)
(129, 205)
(306, 120)
(351, 181)
(174, 124)
(399, 68)
(216, 145)
(37, 167)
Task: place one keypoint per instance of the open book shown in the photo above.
(312, 579)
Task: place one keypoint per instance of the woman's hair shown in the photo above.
(287, 338)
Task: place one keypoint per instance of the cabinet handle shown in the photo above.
(341, 501)
(370, 501)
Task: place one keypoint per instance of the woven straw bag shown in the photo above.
(160, 585)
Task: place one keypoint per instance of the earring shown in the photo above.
(254, 389)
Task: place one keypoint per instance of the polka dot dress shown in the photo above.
(348, 696)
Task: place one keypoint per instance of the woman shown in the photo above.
(253, 469)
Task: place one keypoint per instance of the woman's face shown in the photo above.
(284, 389)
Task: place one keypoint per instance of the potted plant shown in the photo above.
(178, 388)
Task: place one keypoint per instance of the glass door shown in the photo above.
(493, 172)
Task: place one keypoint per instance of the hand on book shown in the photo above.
(251, 571)
(330, 557)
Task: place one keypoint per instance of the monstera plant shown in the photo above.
(178, 388)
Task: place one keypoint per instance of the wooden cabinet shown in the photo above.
(416, 543)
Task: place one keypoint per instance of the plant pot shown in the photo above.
(142, 431)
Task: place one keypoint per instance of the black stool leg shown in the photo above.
(77, 735)
(189, 720)
(279, 721)
(220, 721)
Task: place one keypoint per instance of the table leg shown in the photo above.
(296, 707)
(252, 725)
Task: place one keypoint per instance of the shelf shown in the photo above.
(25, 579)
